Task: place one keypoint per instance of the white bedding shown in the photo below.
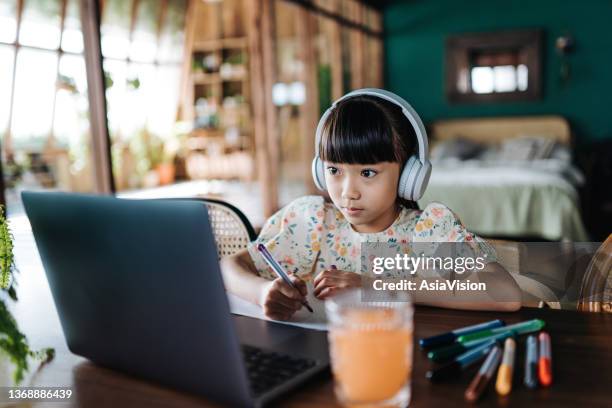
(511, 199)
(515, 171)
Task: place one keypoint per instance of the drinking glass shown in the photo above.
(371, 349)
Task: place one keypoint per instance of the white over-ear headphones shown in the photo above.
(416, 170)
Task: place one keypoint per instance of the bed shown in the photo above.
(503, 190)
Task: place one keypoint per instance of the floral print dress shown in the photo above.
(309, 235)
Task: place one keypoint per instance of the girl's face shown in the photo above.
(365, 194)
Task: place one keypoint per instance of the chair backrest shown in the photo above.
(596, 289)
(511, 256)
(231, 228)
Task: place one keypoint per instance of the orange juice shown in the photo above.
(371, 354)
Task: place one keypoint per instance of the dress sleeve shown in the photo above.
(438, 223)
(293, 237)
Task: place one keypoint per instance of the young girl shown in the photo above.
(365, 142)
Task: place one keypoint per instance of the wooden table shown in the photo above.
(581, 342)
(582, 363)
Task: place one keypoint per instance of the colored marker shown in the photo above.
(448, 338)
(460, 363)
(267, 256)
(528, 326)
(545, 362)
(503, 384)
(531, 363)
(479, 383)
(444, 353)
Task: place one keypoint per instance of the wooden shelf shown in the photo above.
(213, 45)
(234, 78)
(200, 78)
(217, 69)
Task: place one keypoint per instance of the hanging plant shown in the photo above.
(108, 80)
(13, 344)
(7, 260)
(133, 83)
(66, 83)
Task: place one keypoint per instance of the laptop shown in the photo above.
(138, 288)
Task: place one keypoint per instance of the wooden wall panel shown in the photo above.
(186, 109)
(232, 18)
(373, 51)
(269, 71)
(259, 16)
(207, 18)
(357, 43)
(335, 46)
(310, 109)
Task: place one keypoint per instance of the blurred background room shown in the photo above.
(221, 98)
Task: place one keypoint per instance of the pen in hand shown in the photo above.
(279, 271)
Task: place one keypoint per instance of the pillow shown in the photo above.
(518, 149)
(459, 148)
(526, 148)
(542, 147)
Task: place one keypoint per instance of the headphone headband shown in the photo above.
(397, 100)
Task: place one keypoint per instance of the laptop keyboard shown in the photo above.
(268, 369)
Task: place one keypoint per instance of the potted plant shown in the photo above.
(160, 155)
(165, 168)
(15, 352)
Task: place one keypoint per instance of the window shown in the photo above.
(142, 48)
(499, 78)
(43, 104)
(493, 66)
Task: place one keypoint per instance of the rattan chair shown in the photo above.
(596, 289)
(231, 228)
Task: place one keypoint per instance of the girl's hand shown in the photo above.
(330, 281)
(280, 301)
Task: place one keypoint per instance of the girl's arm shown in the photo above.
(278, 300)
(241, 278)
(500, 285)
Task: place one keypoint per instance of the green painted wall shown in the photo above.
(415, 33)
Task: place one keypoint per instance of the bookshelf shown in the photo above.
(217, 93)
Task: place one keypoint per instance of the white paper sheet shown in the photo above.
(302, 318)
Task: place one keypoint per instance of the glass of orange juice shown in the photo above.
(371, 349)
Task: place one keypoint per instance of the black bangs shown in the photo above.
(366, 130)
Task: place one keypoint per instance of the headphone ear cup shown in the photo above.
(318, 173)
(408, 178)
(422, 179)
